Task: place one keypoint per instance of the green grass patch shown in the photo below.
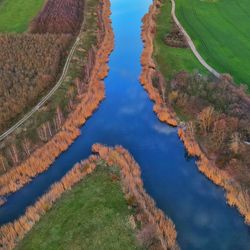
(93, 215)
(15, 15)
(221, 32)
(171, 60)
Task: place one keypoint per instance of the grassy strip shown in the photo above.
(221, 32)
(15, 15)
(171, 60)
(93, 215)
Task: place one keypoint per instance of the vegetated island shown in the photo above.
(99, 204)
(212, 114)
(34, 148)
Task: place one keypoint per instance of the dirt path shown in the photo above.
(191, 44)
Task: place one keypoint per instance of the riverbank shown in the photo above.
(235, 194)
(165, 113)
(96, 71)
(146, 213)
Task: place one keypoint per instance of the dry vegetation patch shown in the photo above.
(176, 38)
(59, 17)
(29, 65)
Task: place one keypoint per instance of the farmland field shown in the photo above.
(171, 60)
(221, 32)
(15, 15)
(93, 215)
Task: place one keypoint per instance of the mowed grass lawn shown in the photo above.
(171, 60)
(221, 31)
(92, 215)
(15, 15)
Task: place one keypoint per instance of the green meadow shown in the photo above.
(15, 15)
(220, 30)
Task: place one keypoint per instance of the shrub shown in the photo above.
(59, 17)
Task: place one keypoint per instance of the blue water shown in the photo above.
(197, 207)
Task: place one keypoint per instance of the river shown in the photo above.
(198, 208)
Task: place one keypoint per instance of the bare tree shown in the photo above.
(206, 118)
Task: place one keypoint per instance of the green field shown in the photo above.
(171, 60)
(221, 31)
(93, 215)
(15, 15)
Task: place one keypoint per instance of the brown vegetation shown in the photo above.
(29, 65)
(157, 231)
(175, 38)
(164, 112)
(218, 118)
(59, 16)
(44, 156)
